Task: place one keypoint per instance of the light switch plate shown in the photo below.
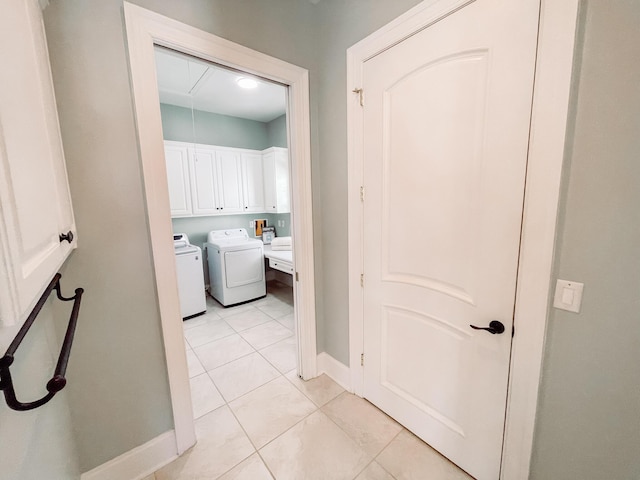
(568, 295)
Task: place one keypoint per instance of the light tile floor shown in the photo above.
(255, 419)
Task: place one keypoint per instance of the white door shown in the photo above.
(269, 169)
(252, 182)
(229, 183)
(203, 173)
(446, 125)
(276, 180)
(177, 160)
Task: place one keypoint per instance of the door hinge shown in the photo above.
(362, 279)
(296, 276)
(362, 193)
(513, 331)
(362, 359)
(360, 93)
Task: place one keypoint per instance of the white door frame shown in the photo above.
(144, 30)
(554, 64)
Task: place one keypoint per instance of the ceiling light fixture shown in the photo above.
(247, 82)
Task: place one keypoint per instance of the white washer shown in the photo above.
(236, 266)
(190, 277)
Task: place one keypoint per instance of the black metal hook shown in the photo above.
(58, 381)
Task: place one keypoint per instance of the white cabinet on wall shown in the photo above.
(215, 181)
(177, 159)
(37, 228)
(211, 180)
(276, 180)
(229, 184)
(252, 183)
(202, 167)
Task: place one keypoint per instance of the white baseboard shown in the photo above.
(338, 372)
(138, 462)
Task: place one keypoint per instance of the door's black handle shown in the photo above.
(494, 327)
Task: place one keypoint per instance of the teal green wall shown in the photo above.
(277, 132)
(213, 129)
(588, 422)
(197, 228)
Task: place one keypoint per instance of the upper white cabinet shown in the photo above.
(252, 182)
(216, 187)
(211, 180)
(177, 158)
(37, 228)
(209, 189)
(276, 180)
(229, 185)
(203, 173)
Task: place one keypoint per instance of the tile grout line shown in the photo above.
(256, 449)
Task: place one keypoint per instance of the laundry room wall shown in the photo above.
(197, 228)
(212, 129)
(118, 389)
(277, 132)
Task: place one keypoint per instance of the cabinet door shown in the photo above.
(276, 180)
(203, 181)
(252, 182)
(228, 183)
(283, 189)
(35, 204)
(269, 170)
(176, 158)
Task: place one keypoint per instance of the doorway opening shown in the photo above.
(145, 30)
(228, 175)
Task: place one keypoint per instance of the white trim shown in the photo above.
(547, 142)
(338, 371)
(554, 69)
(144, 29)
(138, 462)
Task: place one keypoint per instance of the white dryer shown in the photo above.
(236, 266)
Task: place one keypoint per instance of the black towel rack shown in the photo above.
(58, 381)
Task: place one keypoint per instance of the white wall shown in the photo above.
(588, 424)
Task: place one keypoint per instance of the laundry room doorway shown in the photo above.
(217, 177)
(228, 176)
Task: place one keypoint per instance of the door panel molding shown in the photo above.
(554, 62)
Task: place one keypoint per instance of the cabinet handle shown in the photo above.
(66, 236)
